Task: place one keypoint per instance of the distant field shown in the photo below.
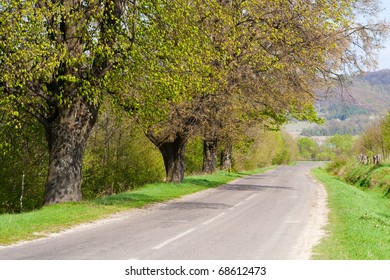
(295, 129)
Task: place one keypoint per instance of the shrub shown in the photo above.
(194, 156)
(119, 157)
(23, 157)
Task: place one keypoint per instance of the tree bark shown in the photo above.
(210, 149)
(67, 134)
(226, 157)
(173, 155)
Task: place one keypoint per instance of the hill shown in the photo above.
(351, 109)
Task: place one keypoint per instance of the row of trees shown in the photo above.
(354, 125)
(179, 68)
(119, 157)
(335, 147)
(375, 140)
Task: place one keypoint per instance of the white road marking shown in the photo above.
(292, 222)
(213, 219)
(159, 246)
(235, 206)
(252, 196)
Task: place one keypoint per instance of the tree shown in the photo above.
(278, 54)
(375, 139)
(341, 144)
(372, 140)
(175, 82)
(386, 136)
(308, 148)
(57, 62)
(59, 59)
(268, 61)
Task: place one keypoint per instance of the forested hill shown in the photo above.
(368, 94)
(372, 91)
(350, 110)
(381, 77)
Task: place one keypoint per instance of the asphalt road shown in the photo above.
(258, 217)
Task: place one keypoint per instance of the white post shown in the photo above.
(21, 195)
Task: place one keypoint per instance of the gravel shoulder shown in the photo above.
(314, 231)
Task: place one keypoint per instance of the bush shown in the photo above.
(288, 150)
(23, 156)
(263, 148)
(361, 175)
(194, 156)
(308, 148)
(119, 157)
(336, 166)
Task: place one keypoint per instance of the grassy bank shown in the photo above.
(32, 225)
(373, 177)
(359, 222)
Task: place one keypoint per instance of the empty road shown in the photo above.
(276, 215)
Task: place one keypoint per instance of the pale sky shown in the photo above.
(384, 54)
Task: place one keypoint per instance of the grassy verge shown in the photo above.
(373, 177)
(359, 223)
(32, 225)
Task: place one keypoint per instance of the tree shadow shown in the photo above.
(127, 199)
(195, 205)
(205, 183)
(241, 187)
(260, 176)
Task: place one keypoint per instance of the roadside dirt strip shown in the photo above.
(276, 215)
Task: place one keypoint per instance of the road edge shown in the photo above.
(314, 231)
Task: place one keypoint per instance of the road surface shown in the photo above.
(276, 215)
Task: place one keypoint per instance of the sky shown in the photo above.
(384, 54)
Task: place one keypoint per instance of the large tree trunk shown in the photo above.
(173, 155)
(226, 157)
(67, 134)
(210, 149)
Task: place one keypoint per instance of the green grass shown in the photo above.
(50, 219)
(373, 177)
(359, 223)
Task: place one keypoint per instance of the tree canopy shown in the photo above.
(177, 66)
(57, 62)
(263, 62)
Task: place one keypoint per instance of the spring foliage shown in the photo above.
(176, 66)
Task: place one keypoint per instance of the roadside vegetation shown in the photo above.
(99, 97)
(55, 218)
(358, 166)
(334, 147)
(358, 197)
(119, 158)
(369, 177)
(359, 222)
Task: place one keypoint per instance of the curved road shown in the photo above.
(264, 216)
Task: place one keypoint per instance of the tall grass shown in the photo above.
(366, 176)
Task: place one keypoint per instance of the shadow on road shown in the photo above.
(195, 205)
(241, 187)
